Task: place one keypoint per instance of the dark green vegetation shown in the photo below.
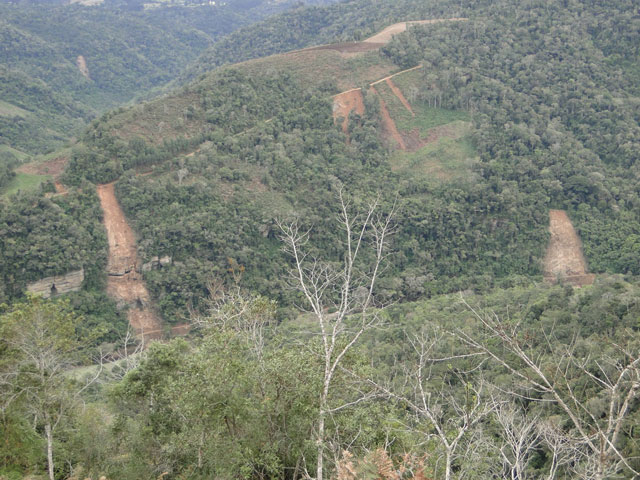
(8, 161)
(41, 237)
(128, 52)
(541, 105)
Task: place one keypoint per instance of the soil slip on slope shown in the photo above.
(124, 283)
(564, 259)
(346, 102)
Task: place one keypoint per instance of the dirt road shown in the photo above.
(387, 34)
(124, 283)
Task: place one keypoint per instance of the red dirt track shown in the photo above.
(398, 93)
(564, 260)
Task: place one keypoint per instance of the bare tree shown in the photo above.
(452, 402)
(232, 308)
(347, 290)
(181, 174)
(520, 437)
(597, 421)
(564, 450)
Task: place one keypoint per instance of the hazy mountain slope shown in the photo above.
(98, 57)
(307, 26)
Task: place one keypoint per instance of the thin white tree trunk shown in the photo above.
(447, 472)
(49, 434)
(320, 445)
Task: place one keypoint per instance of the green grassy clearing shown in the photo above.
(447, 159)
(450, 155)
(23, 182)
(427, 118)
(17, 153)
(10, 110)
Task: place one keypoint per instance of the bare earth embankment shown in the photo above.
(564, 260)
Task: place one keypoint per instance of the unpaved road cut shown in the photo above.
(564, 259)
(387, 34)
(124, 282)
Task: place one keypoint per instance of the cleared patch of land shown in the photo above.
(436, 142)
(564, 260)
(389, 128)
(398, 93)
(349, 65)
(52, 167)
(324, 64)
(448, 156)
(24, 182)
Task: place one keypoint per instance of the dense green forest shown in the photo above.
(350, 319)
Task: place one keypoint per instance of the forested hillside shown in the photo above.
(61, 65)
(345, 21)
(356, 235)
(269, 141)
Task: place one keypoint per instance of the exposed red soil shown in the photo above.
(53, 167)
(389, 128)
(398, 93)
(564, 259)
(60, 189)
(346, 102)
(82, 66)
(124, 282)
